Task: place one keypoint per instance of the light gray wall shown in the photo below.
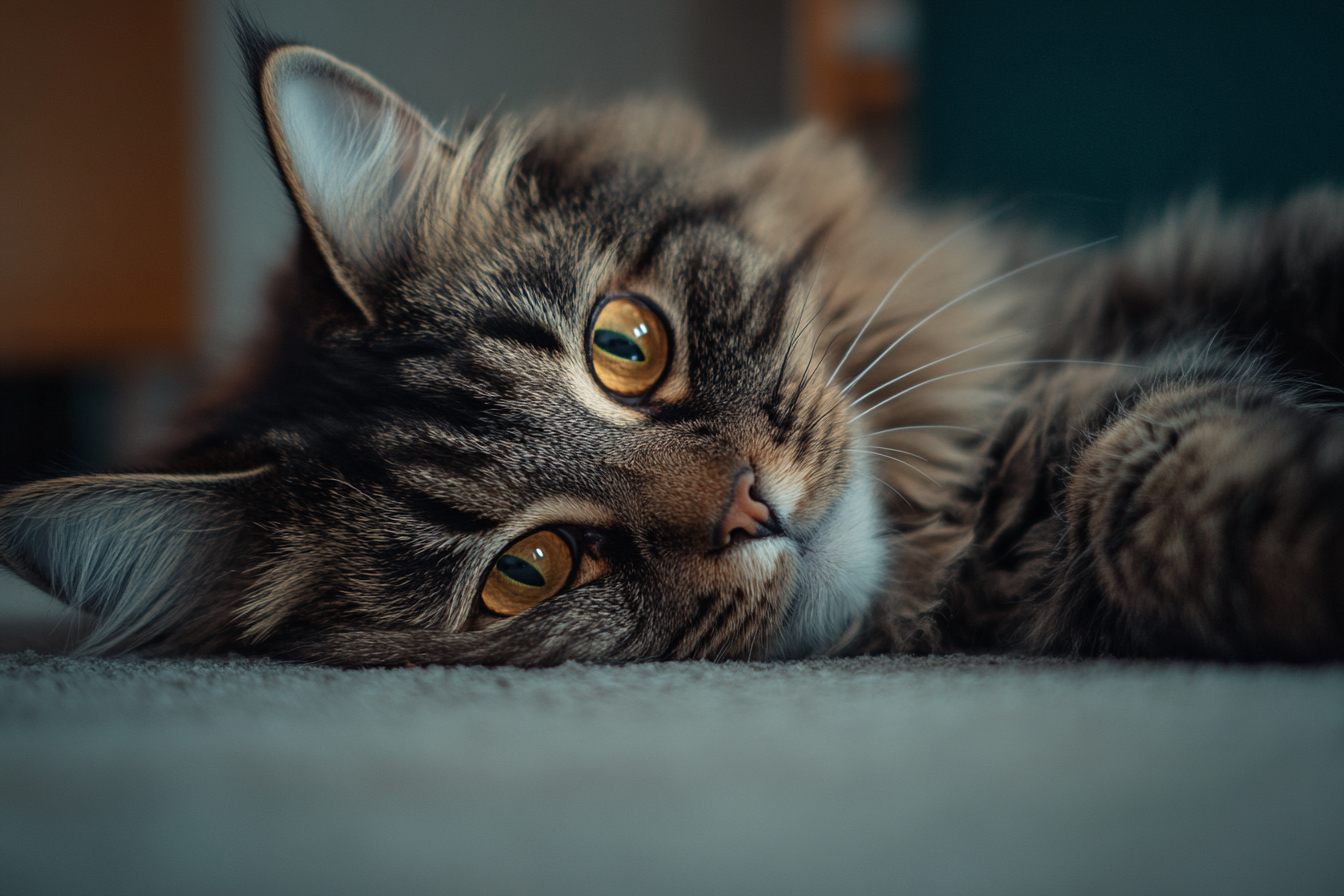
(446, 58)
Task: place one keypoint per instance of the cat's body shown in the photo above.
(589, 386)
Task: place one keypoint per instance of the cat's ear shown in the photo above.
(138, 551)
(357, 160)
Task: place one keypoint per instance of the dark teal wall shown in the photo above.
(1132, 101)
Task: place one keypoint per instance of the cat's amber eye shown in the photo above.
(629, 346)
(531, 570)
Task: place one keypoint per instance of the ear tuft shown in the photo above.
(137, 551)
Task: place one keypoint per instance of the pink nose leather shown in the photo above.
(745, 514)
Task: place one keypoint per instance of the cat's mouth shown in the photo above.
(841, 565)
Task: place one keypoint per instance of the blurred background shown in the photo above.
(139, 213)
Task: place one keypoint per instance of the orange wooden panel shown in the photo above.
(844, 89)
(95, 223)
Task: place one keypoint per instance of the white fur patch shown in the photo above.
(841, 568)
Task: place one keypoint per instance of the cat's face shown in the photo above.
(549, 390)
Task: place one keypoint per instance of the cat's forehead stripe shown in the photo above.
(678, 218)
(438, 512)
(521, 332)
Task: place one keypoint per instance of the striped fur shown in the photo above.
(1017, 447)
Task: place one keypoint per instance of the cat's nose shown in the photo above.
(746, 516)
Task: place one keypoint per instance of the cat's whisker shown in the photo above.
(878, 449)
(906, 463)
(926, 426)
(797, 330)
(895, 491)
(826, 352)
(856, 401)
(808, 370)
(818, 359)
(982, 220)
(891, 382)
(830, 410)
(970, 292)
(727, 642)
(944, 376)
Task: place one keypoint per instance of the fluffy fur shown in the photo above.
(966, 439)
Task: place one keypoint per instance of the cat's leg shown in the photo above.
(1270, 279)
(1200, 510)
(1206, 520)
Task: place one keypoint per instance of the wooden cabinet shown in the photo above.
(95, 217)
(854, 62)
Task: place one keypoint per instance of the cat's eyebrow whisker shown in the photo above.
(983, 219)
(944, 376)
(970, 292)
(891, 382)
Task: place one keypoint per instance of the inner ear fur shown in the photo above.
(358, 161)
(141, 552)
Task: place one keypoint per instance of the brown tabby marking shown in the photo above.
(1216, 507)
(1021, 447)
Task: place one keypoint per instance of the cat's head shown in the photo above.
(547, 389)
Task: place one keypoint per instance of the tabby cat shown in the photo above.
(587, 385)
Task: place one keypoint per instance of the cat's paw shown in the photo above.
(1213, 517)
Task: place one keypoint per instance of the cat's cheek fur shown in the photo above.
(842, 567)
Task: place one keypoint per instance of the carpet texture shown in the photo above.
(875, 775)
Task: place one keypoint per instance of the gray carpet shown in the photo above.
(877, 775)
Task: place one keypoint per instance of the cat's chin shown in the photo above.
(842, 566)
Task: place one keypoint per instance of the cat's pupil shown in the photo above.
(520, 571)
(618, 344)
